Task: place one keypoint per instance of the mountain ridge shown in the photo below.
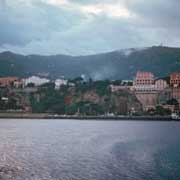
(119, 64)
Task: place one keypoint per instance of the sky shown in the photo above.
(81, 27)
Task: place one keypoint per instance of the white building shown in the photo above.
(144, 87)
(116, 88)
(59, 83)
(37, 81)
(160, 84)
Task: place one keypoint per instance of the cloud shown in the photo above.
(22, 23)
(79, 27)
(159, 18)
(110, 10)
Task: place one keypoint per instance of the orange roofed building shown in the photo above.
(175, 84)
(144, 78)
(175, 80)
(7, 81)
(144, 81)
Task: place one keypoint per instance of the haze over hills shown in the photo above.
(122, 64)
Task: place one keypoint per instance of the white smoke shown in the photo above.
(128, 52)
(104, 72)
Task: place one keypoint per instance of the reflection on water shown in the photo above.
(89, 150)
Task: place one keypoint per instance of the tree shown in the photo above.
(173, 102)
(30, 85)
(162, 111)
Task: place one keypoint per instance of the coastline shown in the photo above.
(54, 116)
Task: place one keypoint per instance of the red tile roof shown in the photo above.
(144, 75)
(5, 81)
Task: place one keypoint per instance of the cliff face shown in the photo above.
(124, 101)
(85, 101)
(87, 98)
(121, 102)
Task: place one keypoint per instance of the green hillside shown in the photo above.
(121, 64)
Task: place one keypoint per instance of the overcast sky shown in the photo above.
(80, 27)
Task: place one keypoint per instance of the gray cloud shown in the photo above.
(158, 19)
(83, 27)
(22, 23)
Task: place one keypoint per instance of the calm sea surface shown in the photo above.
(89, 150)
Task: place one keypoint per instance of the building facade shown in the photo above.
(116, 88)
(160, 84)
(144, 81)
(175, 80)
(37, 81)
(8, 81)
(147, 89)
(143, 78)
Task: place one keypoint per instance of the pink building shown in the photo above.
(144, 81)
(175, 80)
(144, 78)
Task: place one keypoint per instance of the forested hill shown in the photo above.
(121, 64)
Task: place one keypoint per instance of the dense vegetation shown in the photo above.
(85, 98)
(8, 101)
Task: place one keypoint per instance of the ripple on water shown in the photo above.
(90, 150)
